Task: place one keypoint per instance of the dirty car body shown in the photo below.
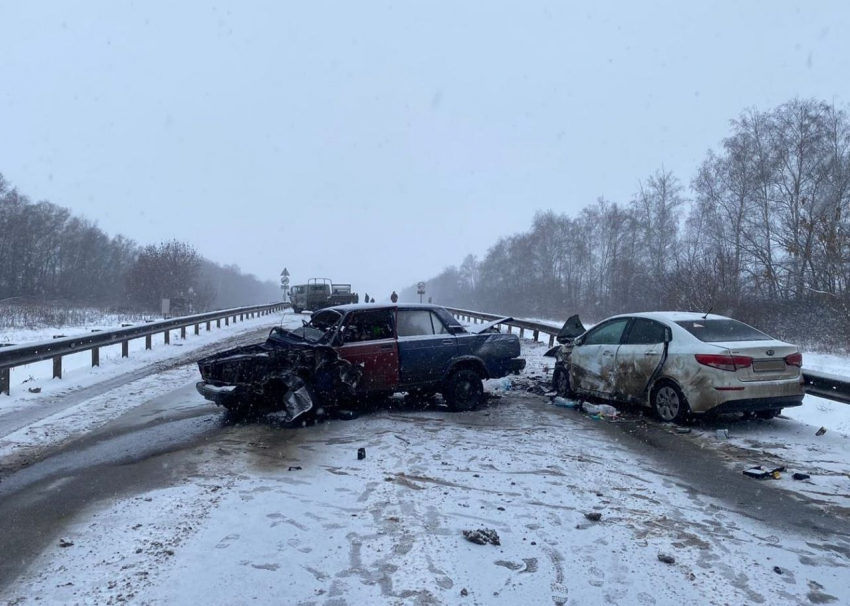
(682, 363)
(352, 351)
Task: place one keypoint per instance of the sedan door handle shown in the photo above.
(386, 346)
(448, 342)
(607, 353)
(650, 353)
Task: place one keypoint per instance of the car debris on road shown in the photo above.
(760, 473)
(482, 536)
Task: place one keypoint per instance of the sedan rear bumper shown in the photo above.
(756, 404)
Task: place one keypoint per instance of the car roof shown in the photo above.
(673, 316)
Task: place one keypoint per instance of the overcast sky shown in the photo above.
(373, 142)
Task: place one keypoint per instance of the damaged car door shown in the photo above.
(425, 347)
(594, 357)
(637, 357)
(369, 340)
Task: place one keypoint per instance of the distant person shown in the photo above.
(394, 297)
(366, 300)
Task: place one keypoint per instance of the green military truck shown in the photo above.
(319, 293)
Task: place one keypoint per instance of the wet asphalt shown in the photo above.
(155, 446)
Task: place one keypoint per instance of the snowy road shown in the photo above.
(171, 504)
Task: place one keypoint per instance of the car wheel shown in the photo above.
(296, 309)
(561, 382)
(464, 390)
(669, 403)
(768, 414)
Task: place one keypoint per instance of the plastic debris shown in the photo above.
(666, 558)
(361, 454)
(294, 468)
(593, 516)
(482, 536)
(602, 410)
(777, 570)
(564, 403)
(505, 384)
(801, 476)
(760, 473)
(34, 390)
(820, 431)
(722, 434)
(65, 543)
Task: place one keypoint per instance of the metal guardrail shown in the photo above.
(820, 384)
(825, 385)
(20, 355)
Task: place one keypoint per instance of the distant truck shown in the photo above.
(319, 293)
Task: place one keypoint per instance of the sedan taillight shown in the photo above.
(794, 359)
(724, 362)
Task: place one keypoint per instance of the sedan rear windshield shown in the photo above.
(717, 331)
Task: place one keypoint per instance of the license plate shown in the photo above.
(769, 366)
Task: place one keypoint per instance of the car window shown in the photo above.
(439, 327)
(607, 334)
(414, 323)
(715, 331)
(645, 332)
(370, 326)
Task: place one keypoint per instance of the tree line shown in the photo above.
(47, 254)
(761, 232)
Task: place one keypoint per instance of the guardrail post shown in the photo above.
(508, 328)
(227, 321)
(167, 335)
(536, 335)
(197, 329)
(241, 317)
(521, 332)
(125, 349)
(551, 340)
(5, 381)
(95, 356)
(208, 325)
(183, 333)
(218, 323)
(57, 367)
(147, 342)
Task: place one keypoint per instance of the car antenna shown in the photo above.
(705, 317)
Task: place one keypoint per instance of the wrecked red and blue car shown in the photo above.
(351, 352)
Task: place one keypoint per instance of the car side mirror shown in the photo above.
(578, 341)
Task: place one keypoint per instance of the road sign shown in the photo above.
(420, 290)
(284, 281)
(285, 273)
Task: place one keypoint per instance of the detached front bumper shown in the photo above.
(220, 394)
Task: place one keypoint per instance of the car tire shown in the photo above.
(768, 414)
(296, 309)
(561, 382)
(669, 403)
(464, 390)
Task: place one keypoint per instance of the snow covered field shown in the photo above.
(17, 328)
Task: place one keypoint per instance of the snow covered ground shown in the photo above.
(82, 321)
(19, 440)
(292, 516)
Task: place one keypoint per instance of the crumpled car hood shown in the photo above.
(479, 328)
